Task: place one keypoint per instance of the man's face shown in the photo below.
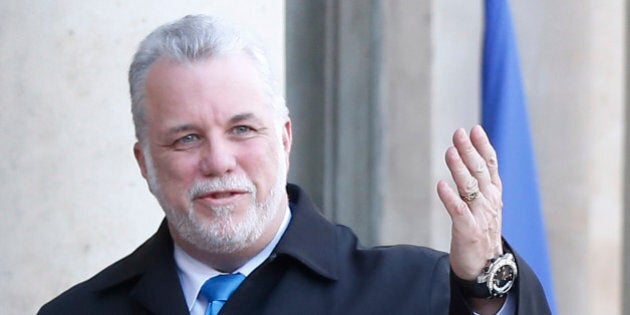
(215, 153)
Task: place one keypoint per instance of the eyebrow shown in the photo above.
(181, 128)
(242, 117)
(234, 120)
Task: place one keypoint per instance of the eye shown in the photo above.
(242, 130)
(188, 138)
(186, 141)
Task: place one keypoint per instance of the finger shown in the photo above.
(457, 209)
(467, 228)
(474, 162)
(467, 185)
(480, 140)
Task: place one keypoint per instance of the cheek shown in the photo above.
(261, 164)
(176, 173)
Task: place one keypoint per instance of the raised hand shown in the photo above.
(475, 208)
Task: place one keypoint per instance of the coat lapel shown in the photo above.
(158, 288)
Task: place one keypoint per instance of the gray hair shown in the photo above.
(190, 39)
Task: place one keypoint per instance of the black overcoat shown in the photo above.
(316, 268)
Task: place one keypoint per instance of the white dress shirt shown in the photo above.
(507, 308)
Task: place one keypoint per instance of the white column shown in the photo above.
(573, 61)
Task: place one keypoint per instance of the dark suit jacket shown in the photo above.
(316, 268)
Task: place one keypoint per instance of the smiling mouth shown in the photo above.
(222, 194)
(221, 197)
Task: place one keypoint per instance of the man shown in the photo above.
(214, 138)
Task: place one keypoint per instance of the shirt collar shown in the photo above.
(193, 273)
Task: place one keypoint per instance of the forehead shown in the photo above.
(223, 82)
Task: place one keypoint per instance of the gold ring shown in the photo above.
(470, 197)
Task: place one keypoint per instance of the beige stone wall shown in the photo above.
(71, 196)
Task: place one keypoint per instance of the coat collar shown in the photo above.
(158, 289)
(151, 275)
(310, 238)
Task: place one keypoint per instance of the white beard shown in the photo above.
(222, 234)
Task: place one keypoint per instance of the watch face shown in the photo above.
(504, 275)
(503, 279)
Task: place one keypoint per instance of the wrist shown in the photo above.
(495, 280)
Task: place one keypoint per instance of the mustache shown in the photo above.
(206, 186)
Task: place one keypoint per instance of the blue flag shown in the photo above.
(505, 118)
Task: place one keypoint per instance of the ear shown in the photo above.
(139, 154)
(287, 139)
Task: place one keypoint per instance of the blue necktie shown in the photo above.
(218, 289)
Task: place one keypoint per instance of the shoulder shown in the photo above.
(399, 258)
(112, 285)
(416, 276)
(83, 297)
(334, 250)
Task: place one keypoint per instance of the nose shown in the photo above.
(217, 158)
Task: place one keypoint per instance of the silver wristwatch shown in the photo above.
(499, 275)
